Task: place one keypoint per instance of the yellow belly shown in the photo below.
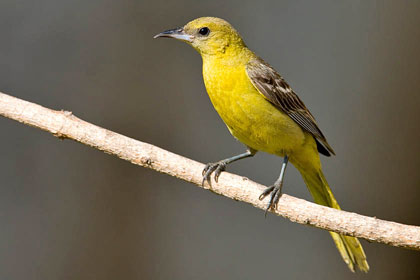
(249, 116)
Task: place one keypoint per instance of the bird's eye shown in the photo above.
(204, 31)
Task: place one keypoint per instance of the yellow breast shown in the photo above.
(248, 115)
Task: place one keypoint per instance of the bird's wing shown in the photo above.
(275, 89)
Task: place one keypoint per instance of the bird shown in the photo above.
(262, 111)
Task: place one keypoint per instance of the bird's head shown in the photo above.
(208, 35)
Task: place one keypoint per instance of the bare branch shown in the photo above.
(63, 124)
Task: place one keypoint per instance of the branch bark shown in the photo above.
(64, 124)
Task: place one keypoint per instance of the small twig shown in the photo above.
(63, 124)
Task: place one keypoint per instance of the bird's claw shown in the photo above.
(276, 193)
(266, 192)
(216, 167)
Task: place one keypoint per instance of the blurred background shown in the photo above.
(68, 211)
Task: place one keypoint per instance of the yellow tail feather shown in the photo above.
(349, 247)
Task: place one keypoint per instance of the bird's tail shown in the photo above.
(349, 247)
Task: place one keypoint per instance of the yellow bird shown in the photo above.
(261, 110)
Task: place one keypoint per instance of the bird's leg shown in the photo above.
(218, 167)
(275, 189)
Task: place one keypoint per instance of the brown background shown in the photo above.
(70, 212)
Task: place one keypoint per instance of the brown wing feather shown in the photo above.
(275, 89)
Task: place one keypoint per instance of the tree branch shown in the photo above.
(63, 124)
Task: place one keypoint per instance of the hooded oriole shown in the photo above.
(262, 111)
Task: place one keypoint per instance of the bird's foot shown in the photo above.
(216, 167)
(275, 191)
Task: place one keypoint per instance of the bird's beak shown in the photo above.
(176, 33)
